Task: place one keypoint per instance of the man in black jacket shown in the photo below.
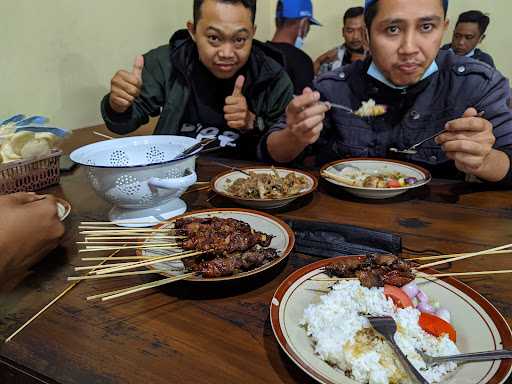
(213, 80)
(426, 92)
(293, 20)
(469, 32)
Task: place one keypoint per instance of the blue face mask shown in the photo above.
(299, 42)
(375, 72)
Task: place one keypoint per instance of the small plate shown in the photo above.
(479, 325)
(283, 241)
(220, 185)
(63, 208)
(378, 166)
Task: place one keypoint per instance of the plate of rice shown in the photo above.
(321, 325)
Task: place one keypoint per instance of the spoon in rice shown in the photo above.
(386, 326)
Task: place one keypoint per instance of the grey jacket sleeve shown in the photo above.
(147, 104)
(493, 97)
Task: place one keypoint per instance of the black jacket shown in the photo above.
(166, 88)
(478, 55)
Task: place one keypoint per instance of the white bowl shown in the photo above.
(220, 184)
(139, 176)
(377, 166)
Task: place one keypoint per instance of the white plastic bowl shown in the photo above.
(139, 176)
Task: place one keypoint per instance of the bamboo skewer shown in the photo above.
(120, 258)
(112, 243)
(149, 262)
(59, 296)
(97, 249)
(97, 267)
(442, 257)
(142, 287)
(92, 277)
(461, 274)
(133, 237)
(102, 135)
(90, 228)
(466, 256)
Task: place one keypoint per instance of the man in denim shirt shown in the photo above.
(426, 91)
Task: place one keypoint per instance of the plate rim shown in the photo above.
(428, 175)
(250, 200)
(281, 223)
(504, 370)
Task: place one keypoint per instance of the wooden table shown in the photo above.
(220, 334)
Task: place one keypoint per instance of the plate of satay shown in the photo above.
(321, 315)
(218, 244)
(264, 187)
(375, 178)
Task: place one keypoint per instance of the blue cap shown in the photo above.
(296, 9)
(367, 3)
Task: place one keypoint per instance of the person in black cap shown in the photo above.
(293, 20)
(469, 32)
(425, 90)
(213, 80)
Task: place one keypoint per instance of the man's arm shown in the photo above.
(481, 146)
(301, 127)
(137, 95)
(31, 228)
(326, 57)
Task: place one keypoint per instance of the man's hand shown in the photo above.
(469, 142)
(31, 228)
(305, 116)
(125, 86)
(236, 111)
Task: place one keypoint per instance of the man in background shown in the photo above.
(293, 20)
(212, 80)
(469, 32)
(354, 48)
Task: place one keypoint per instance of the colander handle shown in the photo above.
(177, 183)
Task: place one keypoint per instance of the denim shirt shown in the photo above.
(419, 112)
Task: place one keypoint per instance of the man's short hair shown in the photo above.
(371, 11)
(353, 12)
(475, 17)
(249, 4)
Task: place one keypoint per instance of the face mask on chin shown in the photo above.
(299, 42)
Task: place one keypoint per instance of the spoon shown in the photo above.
(412, 150)
(203, 143)
(477, 356)
(339, 106)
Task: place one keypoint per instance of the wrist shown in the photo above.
(495, 167)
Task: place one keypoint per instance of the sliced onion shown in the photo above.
(444, 314)
(422, 296)
(425, 307)
(411, 289)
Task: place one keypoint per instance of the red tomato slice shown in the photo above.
(398, 296)
(437, 326)
(393, 183)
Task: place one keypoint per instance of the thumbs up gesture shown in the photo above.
(236, 111)
(125, 86)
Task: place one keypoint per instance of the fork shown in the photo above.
(386, 326)
(465, 357)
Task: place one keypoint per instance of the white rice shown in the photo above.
(344, 338)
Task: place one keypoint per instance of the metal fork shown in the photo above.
(386, 326)
(465, 357)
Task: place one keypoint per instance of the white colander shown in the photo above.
(139, 176)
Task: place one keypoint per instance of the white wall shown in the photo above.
(57, 56)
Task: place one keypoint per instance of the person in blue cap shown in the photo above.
(425, 90)
(293, 20)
